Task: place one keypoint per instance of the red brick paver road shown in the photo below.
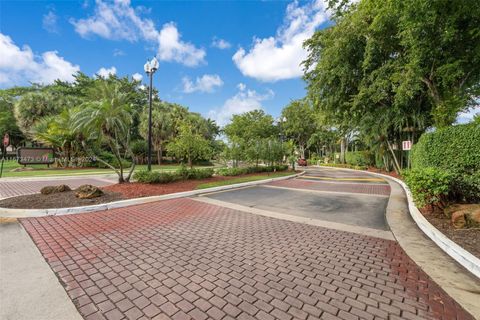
(182, 259)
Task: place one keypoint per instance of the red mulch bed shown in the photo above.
(138, 190)
(468, 239)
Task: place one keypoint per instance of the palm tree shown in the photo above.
(107, 118)
(58, 132)
(162, 127)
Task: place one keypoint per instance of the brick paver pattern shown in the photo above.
(18, 188)
(365, 188)
(181, 259)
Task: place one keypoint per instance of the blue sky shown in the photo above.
(216, 57)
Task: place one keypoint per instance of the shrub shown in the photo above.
(259, 169)
(110, 159)
(429, 186)
(360, 158)
(145, 176)
(456, 149)
(201, 173)
(233, 171)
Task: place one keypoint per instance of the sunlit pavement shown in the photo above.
(186, 259)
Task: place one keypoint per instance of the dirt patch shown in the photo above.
(57, 200)
(469, 239)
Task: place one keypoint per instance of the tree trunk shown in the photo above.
(396, 166)
(190, 163)
(342, 150)
(159, 156)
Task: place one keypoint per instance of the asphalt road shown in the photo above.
(342, 198)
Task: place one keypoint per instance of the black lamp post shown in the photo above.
(150, 67)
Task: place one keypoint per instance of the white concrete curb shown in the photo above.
(29, 213)
(463, 257)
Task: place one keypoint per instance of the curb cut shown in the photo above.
(30, 213)
(463, 257)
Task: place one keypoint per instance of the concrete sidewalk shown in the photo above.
(28, 287)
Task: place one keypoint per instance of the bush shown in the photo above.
(145, 176)
(429, 186)
(233, 171)
(110, 159)
(456, 149)
(201, 173)
(360, 158)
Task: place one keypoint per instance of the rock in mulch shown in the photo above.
(87, 191)
(464, 215)
(55, 189)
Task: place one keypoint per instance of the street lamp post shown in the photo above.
(150, 67)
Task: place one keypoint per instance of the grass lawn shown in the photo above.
(41, 170)
(244, 179)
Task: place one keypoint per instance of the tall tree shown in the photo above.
(107, 118)
(248, 131)
(189, 145)
(162, 127)
(298, 123)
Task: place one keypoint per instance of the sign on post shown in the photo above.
(35, 156)
(406, 145)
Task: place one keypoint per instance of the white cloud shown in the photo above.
(206, 83)
(106, 72)
(172, 48)
(120, 21)
(49, 22)
(241, 86)
(220, 43)
(20, 65)
(243, 101)
(137, 77)
(279, 57)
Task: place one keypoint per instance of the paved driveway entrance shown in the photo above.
(185, 259)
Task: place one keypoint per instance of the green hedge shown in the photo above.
(246, 170)
(360, 158)
(456, 149)
(183, 173)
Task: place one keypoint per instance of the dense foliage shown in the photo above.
(456, 149)
(245, 170)
(360, 158)
(101, 119)
(388, 70)
(429, 186)
(145, 176)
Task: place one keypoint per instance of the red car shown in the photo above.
(302, 162)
